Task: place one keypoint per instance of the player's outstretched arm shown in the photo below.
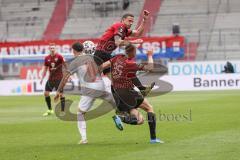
(140, 29)
(150, 65)
(61, 85)
(119, 42)
(136, 41)
(105, 65)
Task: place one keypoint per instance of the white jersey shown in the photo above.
(83, 65)
(98, 84)
(99, 88)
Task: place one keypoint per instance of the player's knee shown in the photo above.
(80, 111)
(149, 107)
(140, 120)
(146, 106)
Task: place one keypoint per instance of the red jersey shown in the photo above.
(54, 64)
(107, 42)
(123, 69)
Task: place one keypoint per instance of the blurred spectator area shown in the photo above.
(22, 20)
(212, 25)
(90, 18)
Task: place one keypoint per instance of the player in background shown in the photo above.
(92, 84)
(53, 63)
(114, 37)
(123, 69)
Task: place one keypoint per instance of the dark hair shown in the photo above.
(129, 48)
(77, 47)
(127, 15)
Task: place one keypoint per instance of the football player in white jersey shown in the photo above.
(92, 84)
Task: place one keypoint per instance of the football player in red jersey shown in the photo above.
(53, 63)
(123, 69)
(114, 37)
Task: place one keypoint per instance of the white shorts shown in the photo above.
(86, 102)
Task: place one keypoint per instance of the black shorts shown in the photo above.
(126, 99)
(100, 57)
(51, 85)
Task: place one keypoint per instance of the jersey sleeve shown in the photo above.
(45, 62)
(113, 59)
(78, 62)
(118, 29)
(61, 58)
(132, 68)
(129, 32)
(72, 66)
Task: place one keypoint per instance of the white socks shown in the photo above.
(82, 125)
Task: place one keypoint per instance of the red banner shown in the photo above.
(31, 72)
(64, 46)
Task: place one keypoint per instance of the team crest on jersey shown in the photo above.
(120, 30)
(56, 59)
(52, 65)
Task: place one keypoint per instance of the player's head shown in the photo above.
(130, 50)
(52, 48)
(77, 48)
(128, 19)
(89, 47)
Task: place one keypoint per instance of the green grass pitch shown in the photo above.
(211, 133)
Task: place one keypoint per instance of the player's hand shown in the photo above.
(150, 51)
(145, 14)
(56, 97)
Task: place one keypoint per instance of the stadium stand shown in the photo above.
(91, 18)
(154, 9)
(22, 20)
(212, 24)
(56, 23)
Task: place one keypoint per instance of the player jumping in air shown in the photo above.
(53, 63)
(123, 69)
(114, 37)
(92, 85)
